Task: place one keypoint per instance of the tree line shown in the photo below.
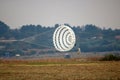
(89, 38)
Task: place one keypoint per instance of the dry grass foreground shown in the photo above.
(59, 69)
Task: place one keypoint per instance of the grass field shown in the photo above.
(59, 69)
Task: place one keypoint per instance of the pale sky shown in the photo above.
(102, 13)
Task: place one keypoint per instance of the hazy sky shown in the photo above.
(102, 13)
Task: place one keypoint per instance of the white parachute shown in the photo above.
(64, 38)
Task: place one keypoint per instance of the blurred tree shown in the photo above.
(3, 29)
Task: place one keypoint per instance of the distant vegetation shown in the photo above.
(111, 57)
(90, 38)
